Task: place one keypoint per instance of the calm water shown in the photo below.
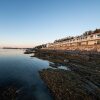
(21, 71)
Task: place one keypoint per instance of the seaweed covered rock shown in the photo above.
(8, 93)
(67, 85)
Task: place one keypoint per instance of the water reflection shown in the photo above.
(58, 66)
(20, 71)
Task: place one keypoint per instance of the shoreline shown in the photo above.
(84, 67)
(66, 85)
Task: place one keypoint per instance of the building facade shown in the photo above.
(83, 42)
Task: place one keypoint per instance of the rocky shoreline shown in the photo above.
(66, 85)
(8, 93)
(82, 81)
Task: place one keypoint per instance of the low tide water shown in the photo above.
(22, 71)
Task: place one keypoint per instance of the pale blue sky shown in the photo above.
(25, 23)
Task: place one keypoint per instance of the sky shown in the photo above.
(27, 23)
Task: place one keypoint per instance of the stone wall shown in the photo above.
(81, 48)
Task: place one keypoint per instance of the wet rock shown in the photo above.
(8, 93)
(81, 82)
(66, 85)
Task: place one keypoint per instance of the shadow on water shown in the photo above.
(20, 72)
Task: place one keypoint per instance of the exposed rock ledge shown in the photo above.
(67, 85)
